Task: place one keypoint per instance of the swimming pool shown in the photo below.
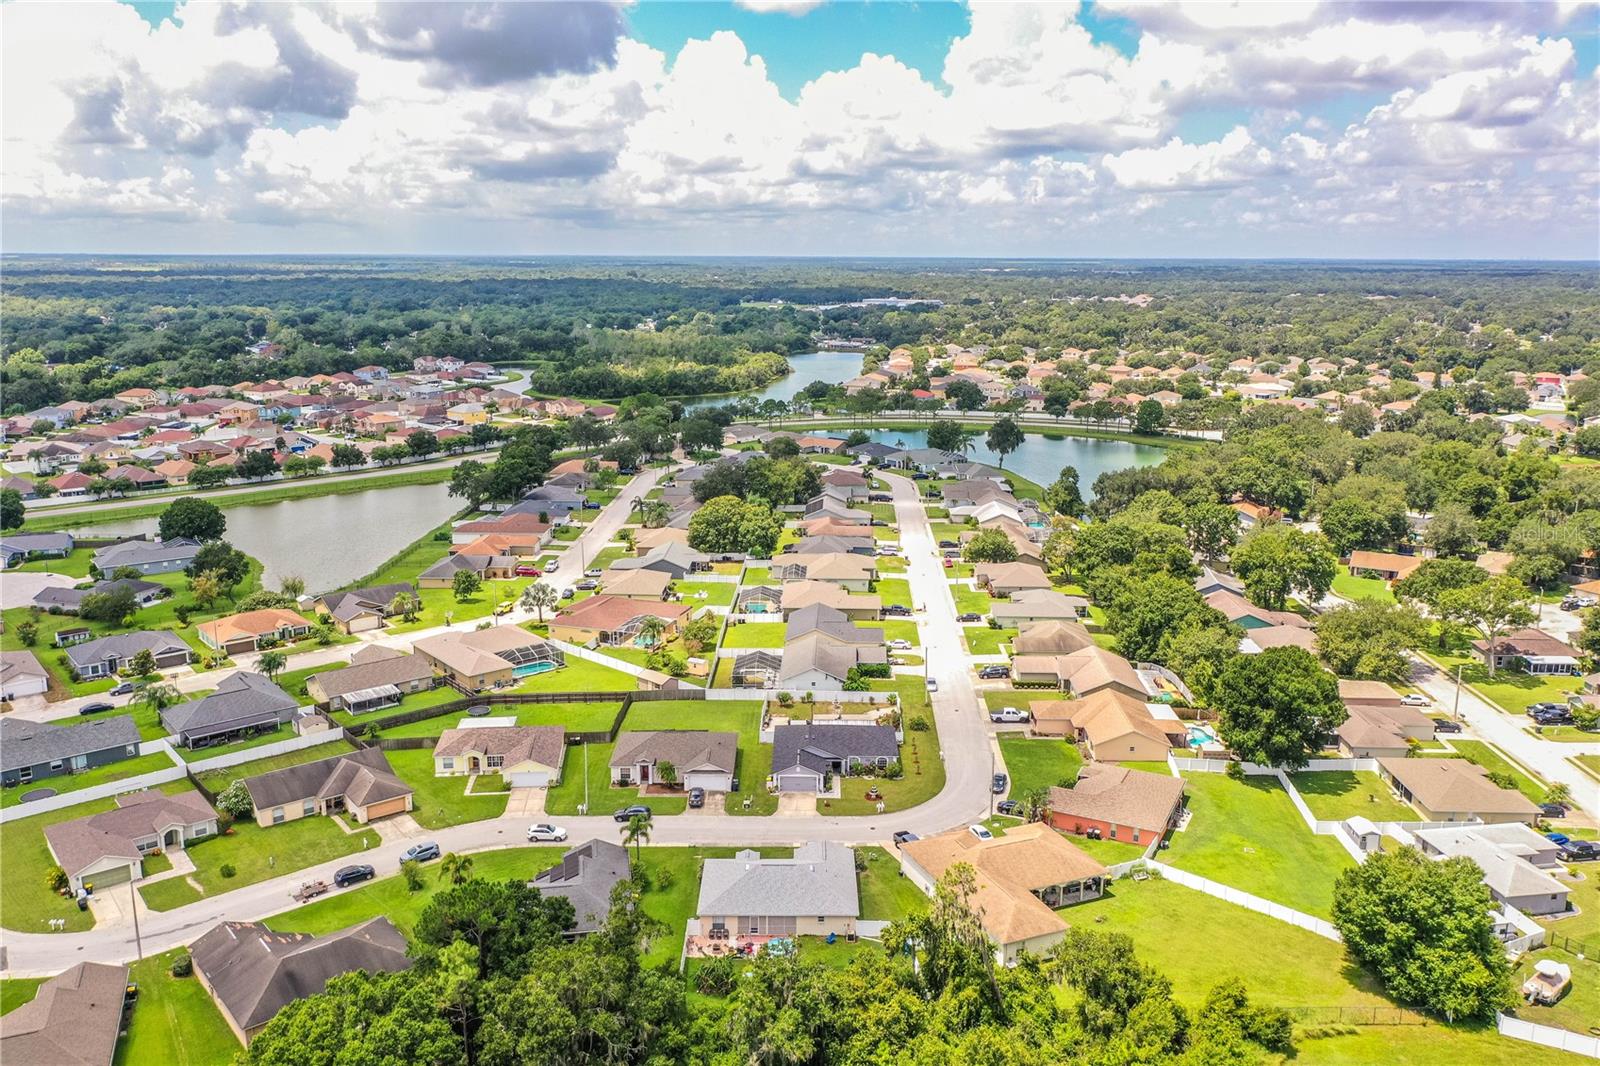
(1200, 736)
(529, 669)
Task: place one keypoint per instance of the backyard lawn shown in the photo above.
(217, 780)
(574, 717)
(100, 775)
(256, 854)
(1246, 834)
(886, 895)
(753, 635)
(1339, 794)
(971, 601)
(895, 591)
(283, 732)
(716, 593)
(1580, 1007)
(1362, 588)
(1489, 757)
(982, 640)
(579, 675)
(756, 575)
(1111, 852)
(441, 801)
(15, 991)
(733, 716)
(1038, 762)
(175, 1022)
(412, 701)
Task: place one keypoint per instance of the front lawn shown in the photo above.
(742, 717)
(1336, 795)
(898, 629)
(257, 854)
(1489, 757)
(706, 593)
(753, 635)
(1362, 588)
(971, 601)
(886, 894)
(440, 801)
(1038, 762)
(922, 775)
(100, 775)
(995, 699)
(1248, 835)
(175, 1021)
(1512, 691)
(566, 797)
(895, 591)
(983, 640)
(15, 991)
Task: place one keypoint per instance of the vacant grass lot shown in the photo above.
(982, 640)
(1340, 794)
(896, 591)
(100, 775)
(753, 635)
(1247, 834)
(885, 894)
(175, 1022)
(1038, 762)
(439, 801)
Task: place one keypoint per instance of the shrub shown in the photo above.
(182, 965)
(411, 870)
(786, 699)
(718, 977)
(234, 800)
(918, 724)
(1235, 771)
(56, 878)
(226, 869)
(893, 771)
(665, 878)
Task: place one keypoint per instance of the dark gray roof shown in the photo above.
(830, 622)
(346, 605)
(827, 544)
(873, 450)
(362, 777)
(396, 669)
(135, 552)
(585, 876)
(31, 743)
(72, 598)
(685, 749)
(36, 542)
(450, 564)
(254, 972)
(73, 1020)
(124, 646)
(241, 700)
(814, 744)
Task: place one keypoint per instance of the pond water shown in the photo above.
(832, 367)
(1040, 460)
(329, 541)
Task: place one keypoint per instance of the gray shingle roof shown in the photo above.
(820, 880)
(31, 743)
(815, 744)
(685, 749)
(73, 1020)
(395, 669)
(124, 646)
(254, 972)
(585, 876)
(138, 816)
(831, 623)
(72, 598)
(362, 777)
(245, 699)
(135, 552)
(346, 605)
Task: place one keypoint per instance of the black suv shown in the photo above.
(1446, 725)
(994, 671)
(352, 875)
(628, 813)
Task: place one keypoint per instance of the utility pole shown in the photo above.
(991, 780)
(1455, 709)
(133, 901)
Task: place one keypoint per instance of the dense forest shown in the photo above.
(86, 327)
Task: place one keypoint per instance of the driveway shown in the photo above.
(527, 803)
(797, 805)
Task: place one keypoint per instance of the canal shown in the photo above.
(1039, 459)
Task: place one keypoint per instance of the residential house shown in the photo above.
(699, 759)
(147, 557)
(1531, 651)
(855, 573)
(1038, 605)
(361, 610)
(108, 848)
(828, 545)
(1241, 612)
(813, 893)
(1255, 641)
(1211, 581)
(488, 567)
(586, 876)
(246, 631)
(527, 527)
(675, 560)
(35, 751)
(525, 756)
(377, 677)
(1081, 673)
(489, 658)
(636, 584)
(615, 620)
(805, 755)
(360, 783)
(1386, 565)
(110, 655)
(797, 595)
(1254, 514)
(59, 600)
(1455, 790)
(1516, 863)
(1112, 726)
(821, 644)
(243, 704)
(853, 484)
(1381, 730)
(22, 674)
(253, 972)
(1007, 579)
(1021, 878)
(73, 1019)
(1053, 637)
(19, 547)
(1129, 805)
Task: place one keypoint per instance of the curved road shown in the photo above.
(965, 797)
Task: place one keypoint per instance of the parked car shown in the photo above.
(1009, 714)
(1580, 851)
(122, 689)
(970, 616)
(999, 783)
(879, 497)
(1446, 725)
(897, 610)
(590, 505)
(552, 566)
(527, 570)
(629, 812)
(420, 852)
(1553, 717)
(1415, 699)
(890, 550)
(1552, 810)
(94, 708)
(353, 875)
(1546, 708)
(904, 836)
(933, 684)
(980, 831)
(899, 644)
(587, 586)
(994, 672)
(949, 544)
(503, 607)
(1559, 839)
(1010, 808)
(949, 563)
(593, 571)
(544, 831)
(697, 798)
(567, 594)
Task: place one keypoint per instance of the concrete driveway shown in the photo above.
(527, 803)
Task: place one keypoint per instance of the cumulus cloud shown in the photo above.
(779, 7)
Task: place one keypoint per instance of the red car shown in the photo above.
(949, 562)
(527, 570)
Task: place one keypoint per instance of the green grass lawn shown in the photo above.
(1565, 734)
(566, 797)
(579, 675)
(440, 801)
(574, 717)
(994, 699)
(1339, 794)
(1248, 835)
(971, 601)
(217, 780)
(891, 564)
(100, 775)
(641, 656)
(756, 575)
(1362, 588)
(26, 904)
(1576, 1011)
(717, 593)
(283, 732)
(895, 591)
(982, 640)
(1584, 926)
(1510, 690)
(753, 635)
(923, 771)
(15, 991)
(899, 629)
(1490, 758)
(1110, 852)
(413, 701)
(886, 895)
(175, 1022)
(1590, 763)
(257, 854)
(1038, 762)
(75, 564)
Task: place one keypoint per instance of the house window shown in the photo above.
(26, 774)
(199, 831)
(277, 815)
(1113, 832)
(447, 763)
(309, 807)
(55, 764)
(1136, 836)
(820, 919)
(496, 761)
(80, 762)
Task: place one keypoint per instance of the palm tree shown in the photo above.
(656, 514)
(293, 586)
(650, 630)
(635, 833)
(538, 596)
(406, 605)
(159, 697)
(1558, 793)
(272, 663)
(454, 868)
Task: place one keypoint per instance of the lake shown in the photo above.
(328, 541)
(832, 367)
(1040, 460)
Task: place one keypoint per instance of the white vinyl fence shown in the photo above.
(267, 751)
(95, 792)
(1244, 899)
(1548, 1036)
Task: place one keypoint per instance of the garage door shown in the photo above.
(791, 782)
(117, 875)
(530, 779)
(709, 781)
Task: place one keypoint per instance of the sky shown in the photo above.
(1365, 129)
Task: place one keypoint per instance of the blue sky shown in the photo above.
(1104, 128)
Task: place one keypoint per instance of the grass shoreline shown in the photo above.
(1026, 427)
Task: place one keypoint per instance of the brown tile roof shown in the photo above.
(1111, 793)
(543, 744)
(73, 1019)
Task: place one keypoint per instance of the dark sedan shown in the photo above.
(629, 813)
